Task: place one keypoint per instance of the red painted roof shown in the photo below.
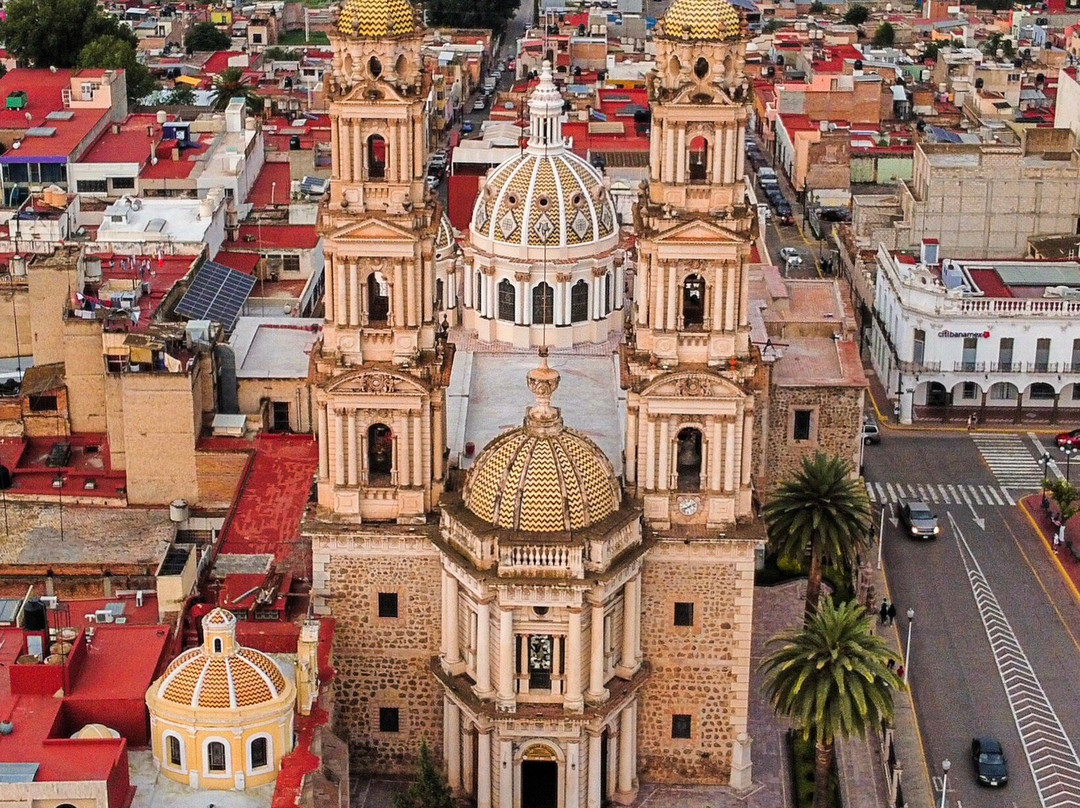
(281, 236)
(240, 261)
(462, 190)
(273, 183)
(162, 275)
(131, 145)
(219, 62)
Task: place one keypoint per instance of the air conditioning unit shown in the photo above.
(50, 600)
(103, 616)
(140, 597)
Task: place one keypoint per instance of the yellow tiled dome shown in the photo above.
(377, 18)
(444, 238)
(542, 477)
(700, 19)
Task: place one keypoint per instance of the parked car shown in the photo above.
(1064, 439)
(438, 160)
(783, 213)
(466, 127)
(917, 518)
(787, 253)
(871, 433)
(758, 161)
(433, 181)
(991, 768)
(479, 105)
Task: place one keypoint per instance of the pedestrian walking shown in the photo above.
(883, 612)
(892, 664)
(1057, 541)
(892, 613)
(971, 421)
(900, 671)
(1061, 534)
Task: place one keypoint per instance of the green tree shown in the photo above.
(113, 53)
(180, 96)
(53, 33)
(996, 43)
(231, 83)
(931, 51)
(885, 35)
(205, 36)
(429, 790)
(822, 510)
(817, 7)
(1066, 497)
(832, 679)
(277, 54)
(856, 15)
(492, 14)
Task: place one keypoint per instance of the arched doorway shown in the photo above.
(378, 298)
(699, 159)
(539, 778)
(693, 302)
(376, 157)
(380, 451)
(688, 459)
(936, 395)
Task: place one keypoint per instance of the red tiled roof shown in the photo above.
(281, 236)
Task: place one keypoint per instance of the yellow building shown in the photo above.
(221, 716)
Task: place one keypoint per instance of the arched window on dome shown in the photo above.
(688, 459)
(543, 304)
(507, 300)
(259, 752)
(378, 299)
(701, 67)
(380, 454)
(374, 67)
(376, 157)
(216, 758)
(579, 302)
(693, 302)
(699, 159)
(609, 293)
(218, 647)
(174, 751)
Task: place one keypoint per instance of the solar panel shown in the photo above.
(216, 293)
(18, 772)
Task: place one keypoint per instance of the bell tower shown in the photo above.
(382, 365)
(690, 412)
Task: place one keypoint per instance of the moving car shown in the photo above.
(989, 759)
(788, 253)
(433, 181)
(467, 127)
(783, 213)
(479, 105)
(871, 433)
(1068, 439)
(918, 520)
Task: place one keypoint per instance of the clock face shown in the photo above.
(688, 506)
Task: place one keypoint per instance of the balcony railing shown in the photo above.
(1006, 367)
(1004, 306)
(969, 367)
(1043, 367)
(920, 367)
(541, 560)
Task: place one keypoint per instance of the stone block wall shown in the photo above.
(836, 428)
(701, 670)
(383, 662)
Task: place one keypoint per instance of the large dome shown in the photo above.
(444, 238)
(542, 477)
(377, 18)
(220, 674)
(546, 196)
(700, 20)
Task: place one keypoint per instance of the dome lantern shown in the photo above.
(219, 633)
(545, 115)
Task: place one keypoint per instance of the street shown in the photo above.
(996, 634)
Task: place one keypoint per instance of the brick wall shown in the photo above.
(837, 424)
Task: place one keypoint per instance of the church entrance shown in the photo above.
(539, 784)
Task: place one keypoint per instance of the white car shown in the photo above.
(479, 105)
(438, 160)
(791, 256)
(433, 181)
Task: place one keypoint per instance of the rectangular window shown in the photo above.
(290, 263)
(123, 183)
(215, 757)
(93, 186)
(802, 425)
(1076, 356)
(681, 726)
(1005, 354)
(684, 614)
(971, 390)
(918, 354)
(42, 403)
(971, 347)
(389, 719)
(1042, 355)
(388, 604)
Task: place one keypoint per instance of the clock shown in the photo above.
(689, 505)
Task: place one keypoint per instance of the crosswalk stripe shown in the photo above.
(940, 493)
(1008, 496)
(870, 493)
(880, 491)
(945, 495)
(963, 493)
(892, 496)
(992, 496)
(975, 495)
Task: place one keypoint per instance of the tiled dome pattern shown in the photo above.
(444, 238)
(700, 20)
(533, 199)
(377, 18)
(542, 483)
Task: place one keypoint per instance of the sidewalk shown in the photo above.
(1031, 507)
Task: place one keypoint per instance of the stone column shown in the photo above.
(344, 149)
(716, 450)
(329, 274)
(747, 446)
(339, 447)
(597, 691)
(631, 445)
(625, 793)
(354, 466)
(438, 443)
(483, 768)
(637, 628)
(740, 154)
(732, 296)
(650, 455)
(596, 753)
(453, 743)
(665, 456)
(628, 661)
(571, 788)
(359, 153)
(506, 659)
(669, 168)
(680, 161)
(483, 650)
(397, 297)
(354, 293)
(324, 445)
(453, 650)
(341, 303)
(573, 699)
(654, 155)
(729, 456)
(719, 318)
(467, 280)
(468, 776)
(672, 297)
(741, 770)
(335, 155)
(658, 280)
(417, 450)
(506, 774)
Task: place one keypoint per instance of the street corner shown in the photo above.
(1041, 513)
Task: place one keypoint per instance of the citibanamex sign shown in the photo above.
(963, 334)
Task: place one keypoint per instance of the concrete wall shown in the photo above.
(50, 289)
(84, 371)
(15, 315)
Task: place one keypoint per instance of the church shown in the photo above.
(536, 531)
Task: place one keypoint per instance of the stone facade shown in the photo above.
(836, 427)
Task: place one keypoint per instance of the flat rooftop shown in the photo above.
(274, 347)
(152, 219)
(155, 791)
(126, 271)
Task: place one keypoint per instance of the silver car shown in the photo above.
(918, 519)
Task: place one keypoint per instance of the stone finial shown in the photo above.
(543, 381)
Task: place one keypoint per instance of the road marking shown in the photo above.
(1052, 466)
(939, 494)
(975, 495)
(945, 495)
(1009, 460)
(1051, 756)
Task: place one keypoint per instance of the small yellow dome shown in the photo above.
(377, 18)
(700, 19)
(95, 732)
(542, 477)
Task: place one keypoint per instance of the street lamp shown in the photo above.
(1068, 451)
(907, 648)
(945, 766)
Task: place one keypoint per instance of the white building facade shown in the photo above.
(996, 339)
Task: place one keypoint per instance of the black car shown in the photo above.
(989, 759)
(917, 518)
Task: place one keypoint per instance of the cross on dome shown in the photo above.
(545, 115)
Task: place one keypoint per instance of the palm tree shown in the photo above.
(832, 679)
(821, 509)
(231, 83)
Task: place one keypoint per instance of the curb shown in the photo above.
(1047, 545)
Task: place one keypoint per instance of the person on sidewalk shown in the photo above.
(892, 613)
(883, 612)
(1057, 541)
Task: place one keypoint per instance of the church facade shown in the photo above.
(557, 631)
